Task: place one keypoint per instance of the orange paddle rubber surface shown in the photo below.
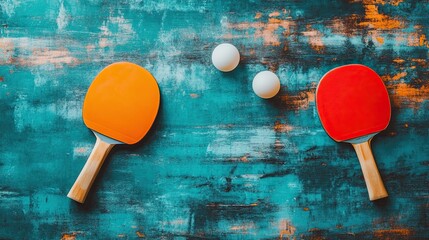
(352, 102)
(122, 102)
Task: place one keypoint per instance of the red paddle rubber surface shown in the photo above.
(352, 102)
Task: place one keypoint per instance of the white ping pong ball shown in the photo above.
(266, 84)
(225, 57)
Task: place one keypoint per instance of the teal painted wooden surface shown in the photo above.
(220, 163)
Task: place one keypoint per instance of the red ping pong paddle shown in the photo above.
(353, 106)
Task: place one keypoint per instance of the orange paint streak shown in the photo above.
(376, 20)
(279, 127)
(258, 15)
(382, 233)
(413, 97)
(380, 40)
(395, 77)
(422, 40)
(398, 60)
(70, 236)
(399, 76)
(391, 2)
(286, 229)
(66, 236)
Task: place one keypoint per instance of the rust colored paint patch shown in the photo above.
(258, 15)
(68, 236)
(286, 228)
(140, 235)
(374, 19)
(300, 101)
(395, 232)
(194, 95)
(1, 79)
(279, 127)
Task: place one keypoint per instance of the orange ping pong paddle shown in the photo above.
(353, 106)
(120, 106)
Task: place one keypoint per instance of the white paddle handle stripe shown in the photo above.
(86, 178)
(374, 183)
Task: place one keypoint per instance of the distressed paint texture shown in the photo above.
(220, 163)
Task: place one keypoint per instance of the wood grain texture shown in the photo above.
(373, 181)
(220, 163)
(87, 175)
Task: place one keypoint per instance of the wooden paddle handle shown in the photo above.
(374, 183)
(84, 181)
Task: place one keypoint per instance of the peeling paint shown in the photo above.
(63, 18)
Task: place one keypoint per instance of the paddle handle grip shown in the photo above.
(374, 183)
(89, 172)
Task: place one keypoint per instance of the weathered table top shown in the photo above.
(219, 163)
